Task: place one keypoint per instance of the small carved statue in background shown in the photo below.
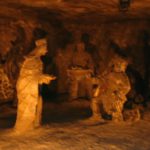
(109, 94)
(80, 73)
(30, 78)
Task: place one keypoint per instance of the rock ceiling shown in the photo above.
(74, 10)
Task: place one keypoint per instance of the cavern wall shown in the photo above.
(65, 22)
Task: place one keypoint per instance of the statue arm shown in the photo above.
(123, 89)
(45, 78)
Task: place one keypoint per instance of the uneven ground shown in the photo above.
(63, 130)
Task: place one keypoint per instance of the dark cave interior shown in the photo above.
(105, 28)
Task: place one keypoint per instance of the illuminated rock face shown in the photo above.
(95, 10)
(75, 9)
(7, 90)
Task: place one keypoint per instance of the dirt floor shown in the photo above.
(64, 128)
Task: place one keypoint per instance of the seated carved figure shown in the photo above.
(30, 77)
(109, 94)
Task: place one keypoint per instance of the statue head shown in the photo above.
(41, 47)
(119, 64)
(41, 42)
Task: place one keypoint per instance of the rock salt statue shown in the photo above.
(80, 73)
(110, 93)
(30, 78)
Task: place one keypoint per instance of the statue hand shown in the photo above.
(46, 79)
(51, 77)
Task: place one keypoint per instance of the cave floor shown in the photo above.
(64, 129)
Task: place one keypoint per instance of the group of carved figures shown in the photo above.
(107, 91)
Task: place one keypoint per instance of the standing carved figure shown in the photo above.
(110, 93)
(30, 78)
(80, 73)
